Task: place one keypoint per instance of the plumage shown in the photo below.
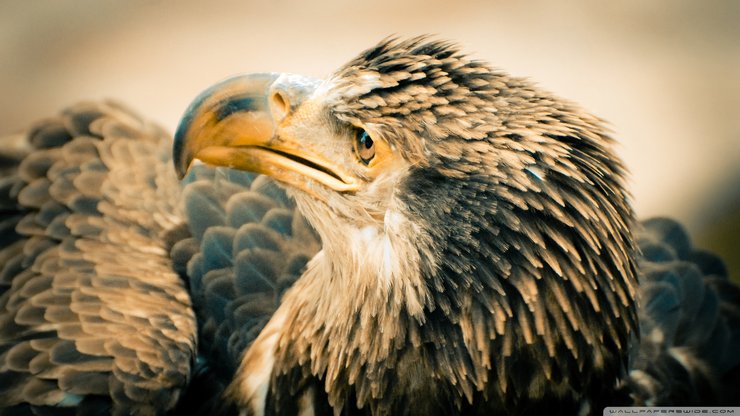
(478, 255)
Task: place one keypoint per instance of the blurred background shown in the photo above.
(664, 73)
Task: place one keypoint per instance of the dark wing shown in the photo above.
(248, 245)
(92, 314)
(689, 323)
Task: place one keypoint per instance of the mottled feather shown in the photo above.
(93, 315)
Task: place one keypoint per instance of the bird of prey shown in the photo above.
(417, 234)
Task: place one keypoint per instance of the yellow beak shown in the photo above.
(236, 124)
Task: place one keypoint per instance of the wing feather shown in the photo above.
(94, 318)
(249, 244)
(689, 326)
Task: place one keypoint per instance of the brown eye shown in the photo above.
(364, 146)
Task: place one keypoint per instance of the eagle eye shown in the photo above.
(364, 146)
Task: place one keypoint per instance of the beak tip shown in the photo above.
(182, 155)
(181, 163)
(180, 173)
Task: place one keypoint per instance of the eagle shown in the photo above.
(417, 234)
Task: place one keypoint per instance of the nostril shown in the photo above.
(279, 104)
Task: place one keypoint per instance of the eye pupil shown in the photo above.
(366, 140)
(365, 147)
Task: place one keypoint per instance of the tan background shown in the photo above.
(665, 73)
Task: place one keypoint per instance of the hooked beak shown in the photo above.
(237, 124)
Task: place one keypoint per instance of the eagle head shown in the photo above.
(475, 230)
